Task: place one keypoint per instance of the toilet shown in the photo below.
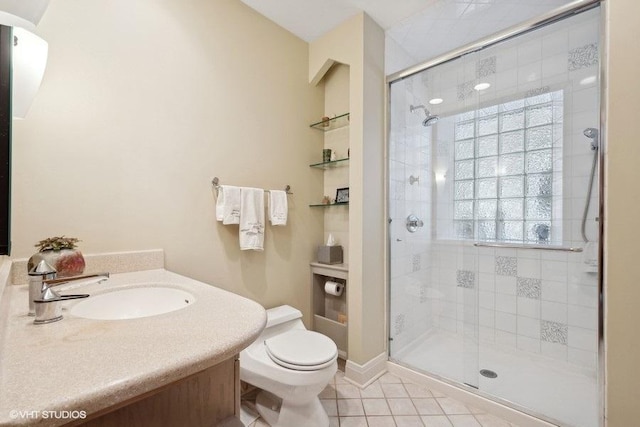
(291, 365)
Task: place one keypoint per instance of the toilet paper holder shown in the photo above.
(333, 288)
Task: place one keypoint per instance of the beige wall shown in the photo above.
(622, 197)
(142, 104)
(372, 239)
(359, 43)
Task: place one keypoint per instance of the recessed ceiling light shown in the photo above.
(588, 80)
(482, 86)
(436, 101)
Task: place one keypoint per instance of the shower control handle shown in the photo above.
(413, 223)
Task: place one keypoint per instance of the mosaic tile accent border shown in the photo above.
(465, 90)
(529, 288)
(486, 67)
(582, 57)
(554, 332)
(506, 265)
(466, 279)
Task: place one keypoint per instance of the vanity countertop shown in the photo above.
(89, 365)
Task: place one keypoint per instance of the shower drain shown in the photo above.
(488, 373)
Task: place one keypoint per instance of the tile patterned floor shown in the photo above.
(393, 402)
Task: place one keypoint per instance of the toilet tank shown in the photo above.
(281, 319)
(279, 315)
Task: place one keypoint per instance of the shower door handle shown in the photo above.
(413, 223)
(526, 246)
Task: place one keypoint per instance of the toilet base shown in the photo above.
(278, 413)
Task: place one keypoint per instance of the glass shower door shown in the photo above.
(495, 154)
(433, 292)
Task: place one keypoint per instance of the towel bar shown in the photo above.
(216, 184)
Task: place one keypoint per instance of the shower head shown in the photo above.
(430, 119)
(592, 134)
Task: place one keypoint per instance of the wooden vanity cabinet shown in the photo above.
(203, 399)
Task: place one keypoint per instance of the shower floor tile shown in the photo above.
(543, 385)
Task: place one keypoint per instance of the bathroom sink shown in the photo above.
(132, 303)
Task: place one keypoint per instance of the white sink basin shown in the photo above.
(132, 303)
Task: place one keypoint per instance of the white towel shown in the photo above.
(228, 205)
(278, 207)
(251, 219)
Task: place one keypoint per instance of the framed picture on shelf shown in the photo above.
(342, 195)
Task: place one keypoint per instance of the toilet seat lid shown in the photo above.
(300, 349)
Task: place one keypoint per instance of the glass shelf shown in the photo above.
(332, 164)
(333, 123)
(322, 205)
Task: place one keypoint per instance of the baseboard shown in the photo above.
(363, 375)
(468, 398)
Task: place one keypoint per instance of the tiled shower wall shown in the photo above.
(531, 300)
(409, 156)
(536, 301)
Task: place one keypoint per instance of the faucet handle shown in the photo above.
(413, 223)
(49, 307)
(63, 280)
(61, 298)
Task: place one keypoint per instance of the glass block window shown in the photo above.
(504, 169)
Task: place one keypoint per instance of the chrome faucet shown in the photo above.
(41, 271)
(48, 307)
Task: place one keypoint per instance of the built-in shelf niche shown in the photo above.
(326, 307)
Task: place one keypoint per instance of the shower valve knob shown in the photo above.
(413, 223)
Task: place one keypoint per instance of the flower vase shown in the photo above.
(67, 262)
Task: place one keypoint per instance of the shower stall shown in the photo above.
(493, 200)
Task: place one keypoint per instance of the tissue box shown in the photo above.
(330, 254)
